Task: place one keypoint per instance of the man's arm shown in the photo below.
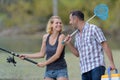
(71, 47)
(109, 54)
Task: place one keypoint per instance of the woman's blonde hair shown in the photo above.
(50, 22)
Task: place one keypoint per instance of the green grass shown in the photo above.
(23, 70)
(28, 71)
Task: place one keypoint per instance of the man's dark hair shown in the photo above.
(79, 14)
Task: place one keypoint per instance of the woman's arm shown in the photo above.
(56, 55)
(40, 54)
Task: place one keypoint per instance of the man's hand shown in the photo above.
(67, 39)
(112, 66)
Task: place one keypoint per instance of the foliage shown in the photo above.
(20, 13)
(24, 12)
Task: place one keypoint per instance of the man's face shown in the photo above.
(72, 20)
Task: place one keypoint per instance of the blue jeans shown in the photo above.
(94, 74)
(54, 74)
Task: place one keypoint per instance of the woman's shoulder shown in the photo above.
(62, 36)
(45, 36)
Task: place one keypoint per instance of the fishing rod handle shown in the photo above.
(29, 60)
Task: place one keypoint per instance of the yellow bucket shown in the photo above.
(110, 76)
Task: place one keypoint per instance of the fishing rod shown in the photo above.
(12, 60)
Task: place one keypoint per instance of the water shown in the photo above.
(20, 44)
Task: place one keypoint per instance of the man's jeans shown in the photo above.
(94, 74)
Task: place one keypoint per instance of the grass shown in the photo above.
(23, 70)
(28, 71)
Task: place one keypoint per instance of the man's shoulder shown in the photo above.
(90, 26)
(93, 25)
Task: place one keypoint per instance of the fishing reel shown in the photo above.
(11, 60)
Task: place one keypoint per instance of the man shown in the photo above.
(89, 45)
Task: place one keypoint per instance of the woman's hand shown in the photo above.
(41, 64)
(22, 56)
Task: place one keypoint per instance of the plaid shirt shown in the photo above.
(89, 47)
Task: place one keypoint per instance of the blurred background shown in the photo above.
(23, 22)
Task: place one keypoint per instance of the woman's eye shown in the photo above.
(56, 22)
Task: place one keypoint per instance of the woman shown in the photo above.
(56, 67)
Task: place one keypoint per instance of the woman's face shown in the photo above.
(57, 25)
